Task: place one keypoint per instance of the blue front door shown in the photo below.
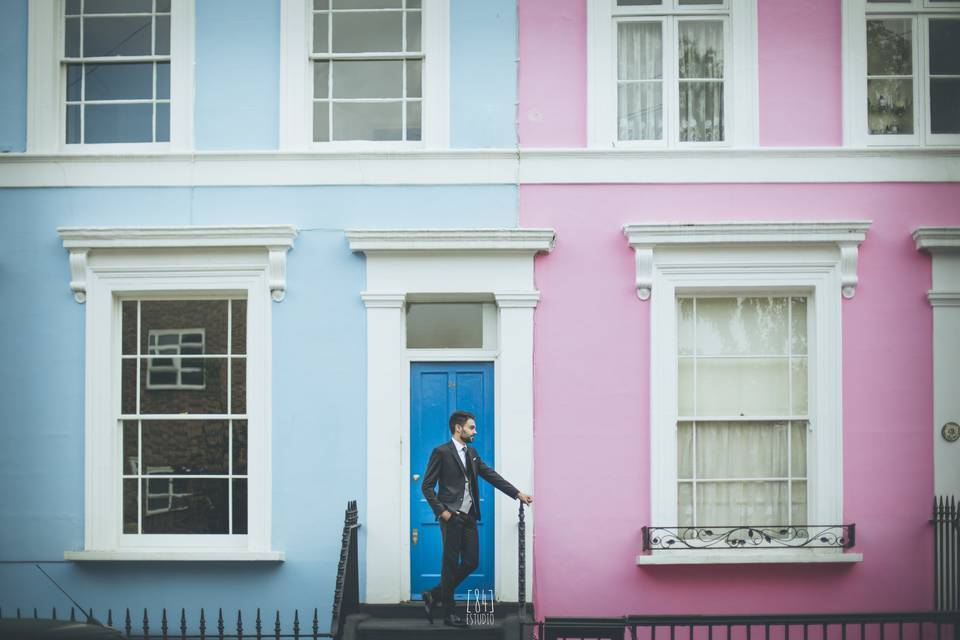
(436, 391)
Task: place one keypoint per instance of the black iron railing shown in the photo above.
(521, 564)
(946, 545)
(346, 595)
(853, 626)
(833, 536)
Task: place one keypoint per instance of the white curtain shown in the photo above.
(700, 52)
(640, 80)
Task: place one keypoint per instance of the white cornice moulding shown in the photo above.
(517, 299)
(937, 238)
(275, 239)
(481, 166)
(520, 240)
(380, 300)
(944, 298)
(846, 235)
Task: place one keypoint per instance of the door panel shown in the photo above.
(436, 391)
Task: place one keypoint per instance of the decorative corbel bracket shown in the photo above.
(646, 238)
(78, 274)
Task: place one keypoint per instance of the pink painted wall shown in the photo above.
(799, 76)
(592, 418)
(553, 73)
(800, 73)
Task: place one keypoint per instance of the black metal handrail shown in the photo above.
(521, 564)
(346, 595)
(946, 550)
(828, 536)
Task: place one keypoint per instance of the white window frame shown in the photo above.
(46, 84)
(818, 258)
(741, 124)
(177, 365)
(296, 82)
(110, 264)
(855, 16)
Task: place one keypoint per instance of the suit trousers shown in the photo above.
(461, 555)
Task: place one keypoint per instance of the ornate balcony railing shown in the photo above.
(832, 536)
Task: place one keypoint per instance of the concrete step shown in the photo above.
(408, 621)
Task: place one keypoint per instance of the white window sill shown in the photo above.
(168, 555)
(749, 556)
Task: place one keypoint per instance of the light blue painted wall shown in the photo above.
(483, 73)
(13, 75)
(237, 74)
(319, 399)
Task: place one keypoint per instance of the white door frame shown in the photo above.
(477, 263)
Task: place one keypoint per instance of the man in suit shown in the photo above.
(456, 465)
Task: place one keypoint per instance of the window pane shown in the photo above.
(163, 6)
(118, 123)
(685, 504)
(640, 111)
(238, 324)
(741, 326)
(413, 31)
(367, 121)
(741, 450)
(444, 325)
(889, 48)
(128, 386)
(116, 36)
(685, 450)
(945, 47)
(178, 315)
(320, 35)
(240, 447)
(413, 120)
(71, 47)
(637, 3)
(240, 506)
(72, 7)
(700, 2)
(701, 111)
(890, 107)
(356, 32)
(119, 81)
(685, 326)
(798, 329)
(185, 447)
(130, 455)
(367, 4)
(163, 36)
(798, 507)
(118, 6)
(742, 386)
(321, 121)
(163, 80)
(639, 51)
(184, 389)
(945, 105)
(73, 124)
(368, 79)
(414, 4)
(238, 385)
(685, 387)
(130, 506)
(798, 380)
(798, 449)
(321, 4)
(321, 79)
(74, 82)
(163, 122)
(701, 49)
(741, 503)
(414, 82)
(185, 506)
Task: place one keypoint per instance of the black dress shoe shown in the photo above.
(429, 602)
(453, 620)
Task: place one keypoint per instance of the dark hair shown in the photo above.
(460, 418)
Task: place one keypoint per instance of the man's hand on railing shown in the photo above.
(524, 497)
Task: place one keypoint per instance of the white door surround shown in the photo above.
(943, 243)
(444, 264)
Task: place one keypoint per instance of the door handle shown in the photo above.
(416, 476)
(415, 536)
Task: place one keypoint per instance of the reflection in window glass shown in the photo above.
(742, 408)
(944, 75)
(183, 400)
(890, 76)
